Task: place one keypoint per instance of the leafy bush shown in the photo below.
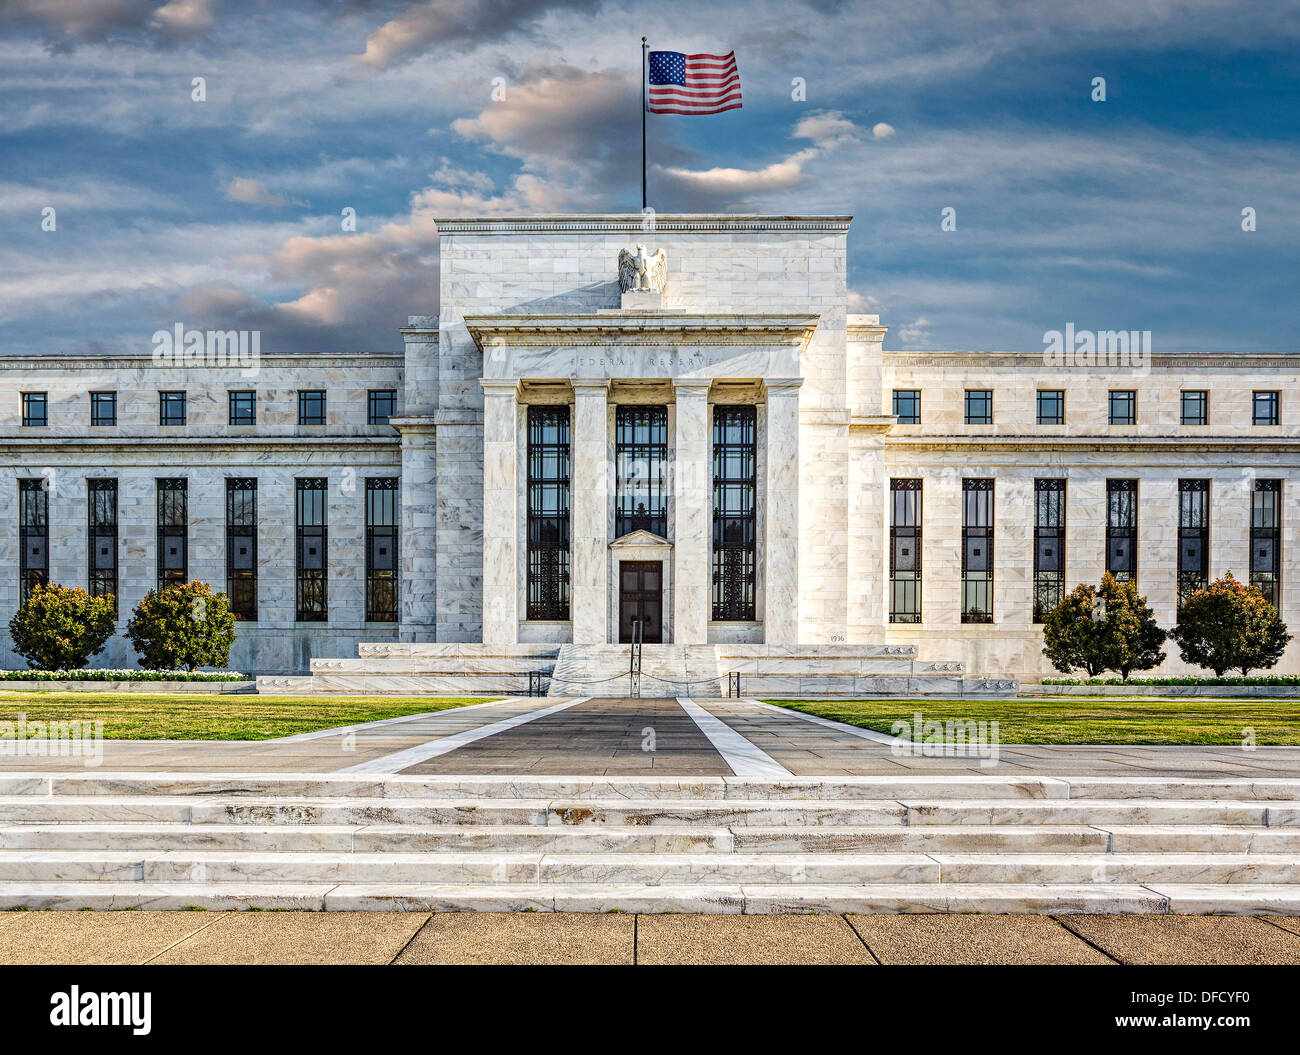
(61, 626)
(1230, 626)
(1107, 628)
(182, 626)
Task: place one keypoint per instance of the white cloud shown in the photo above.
(882, 130)
(251, 192)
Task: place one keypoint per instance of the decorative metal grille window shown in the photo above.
(977, 551)
(101, 538)
(641, 457)
(35, 409)
(243, 408)
(1266, 539)
(979, 406)
(1265, 408)
(382, 406)
(1121, 529)
(313, 541)
(34, 536)
(173, 532)
(905, 551)
(311, 408)
(1051, 407)
(171, 408)
(548, 512)
(1049, 546)
(103, 408)
(1193, 538)
(1195, 408)
(907, 406)
(241, 546)
(735, 463)
(1123, 407)
(381, 549)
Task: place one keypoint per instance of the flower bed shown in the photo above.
(121, 675)
(1259, 679)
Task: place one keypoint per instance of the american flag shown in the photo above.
(693, 84)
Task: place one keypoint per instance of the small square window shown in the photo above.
(103, 408)
(907, 406)
(243, 408)
(979, 406)
(1265, 408)
(171, 408)
(1051, 407)
(311, 408)
(35, 409)
(1195, 408)
(383, 405)
(1123, 407)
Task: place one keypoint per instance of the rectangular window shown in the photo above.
(735, 464)
(383, 405)
(243, 408)
(905, 551)
(34, 535)
(641, 459)
(381, 549)
(1194, 408)
(312, 547)
(1123, 407)
(1265, 408)
(101, 538)
(1051, 407)
(1266, 539)
(1121, 529)
(979, 406)
(171, 408)
(1049, 546)
(548, 512)
(241, 546)
(103, 408)
(173, 532)
(977, 551)
(35, 409)
(907, 405)
(311, 408)
(1193, 538)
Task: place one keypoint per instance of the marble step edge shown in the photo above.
(993, 898)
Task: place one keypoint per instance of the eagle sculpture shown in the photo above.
(641, 271)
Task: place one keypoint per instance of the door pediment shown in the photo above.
(641, 539)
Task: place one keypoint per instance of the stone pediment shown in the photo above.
(641, 539)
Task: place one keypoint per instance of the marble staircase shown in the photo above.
(666, 670)
(925, 843)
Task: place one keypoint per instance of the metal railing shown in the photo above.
(733, 683)
(634, 661)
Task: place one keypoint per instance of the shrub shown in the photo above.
(1230, 626)
(182, 626)
(1107, 628)
(61, 626)
(1073, 636)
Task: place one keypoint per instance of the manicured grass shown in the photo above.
(186, 716)
(1083, 719)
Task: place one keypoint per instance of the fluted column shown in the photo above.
(500, 506)
(781, 537)
(589, 510)
(692, 508)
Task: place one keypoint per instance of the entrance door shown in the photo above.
(641, 596)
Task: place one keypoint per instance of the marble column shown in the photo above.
(500, 504)
(692, 508)
(417, 549)
(588, 509)
(781, 531)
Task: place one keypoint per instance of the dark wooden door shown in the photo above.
(641, 596)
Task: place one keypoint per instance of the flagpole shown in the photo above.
(643, 111)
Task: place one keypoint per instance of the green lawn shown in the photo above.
(193, 716)
(1084, 720)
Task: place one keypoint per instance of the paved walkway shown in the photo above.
(561, 938)
(663, 737)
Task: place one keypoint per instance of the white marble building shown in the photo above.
(735, 462)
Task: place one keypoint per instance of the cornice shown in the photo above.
(1284, 444)
(1016, 360)
(155, 444)
(639, 328)
(635, 223)
(134, 360)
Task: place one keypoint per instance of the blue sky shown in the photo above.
(1123, 214)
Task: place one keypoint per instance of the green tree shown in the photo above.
(182, 626)
(61, 627)
(1074, 635)
(1230, 626)
(1133, 638)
